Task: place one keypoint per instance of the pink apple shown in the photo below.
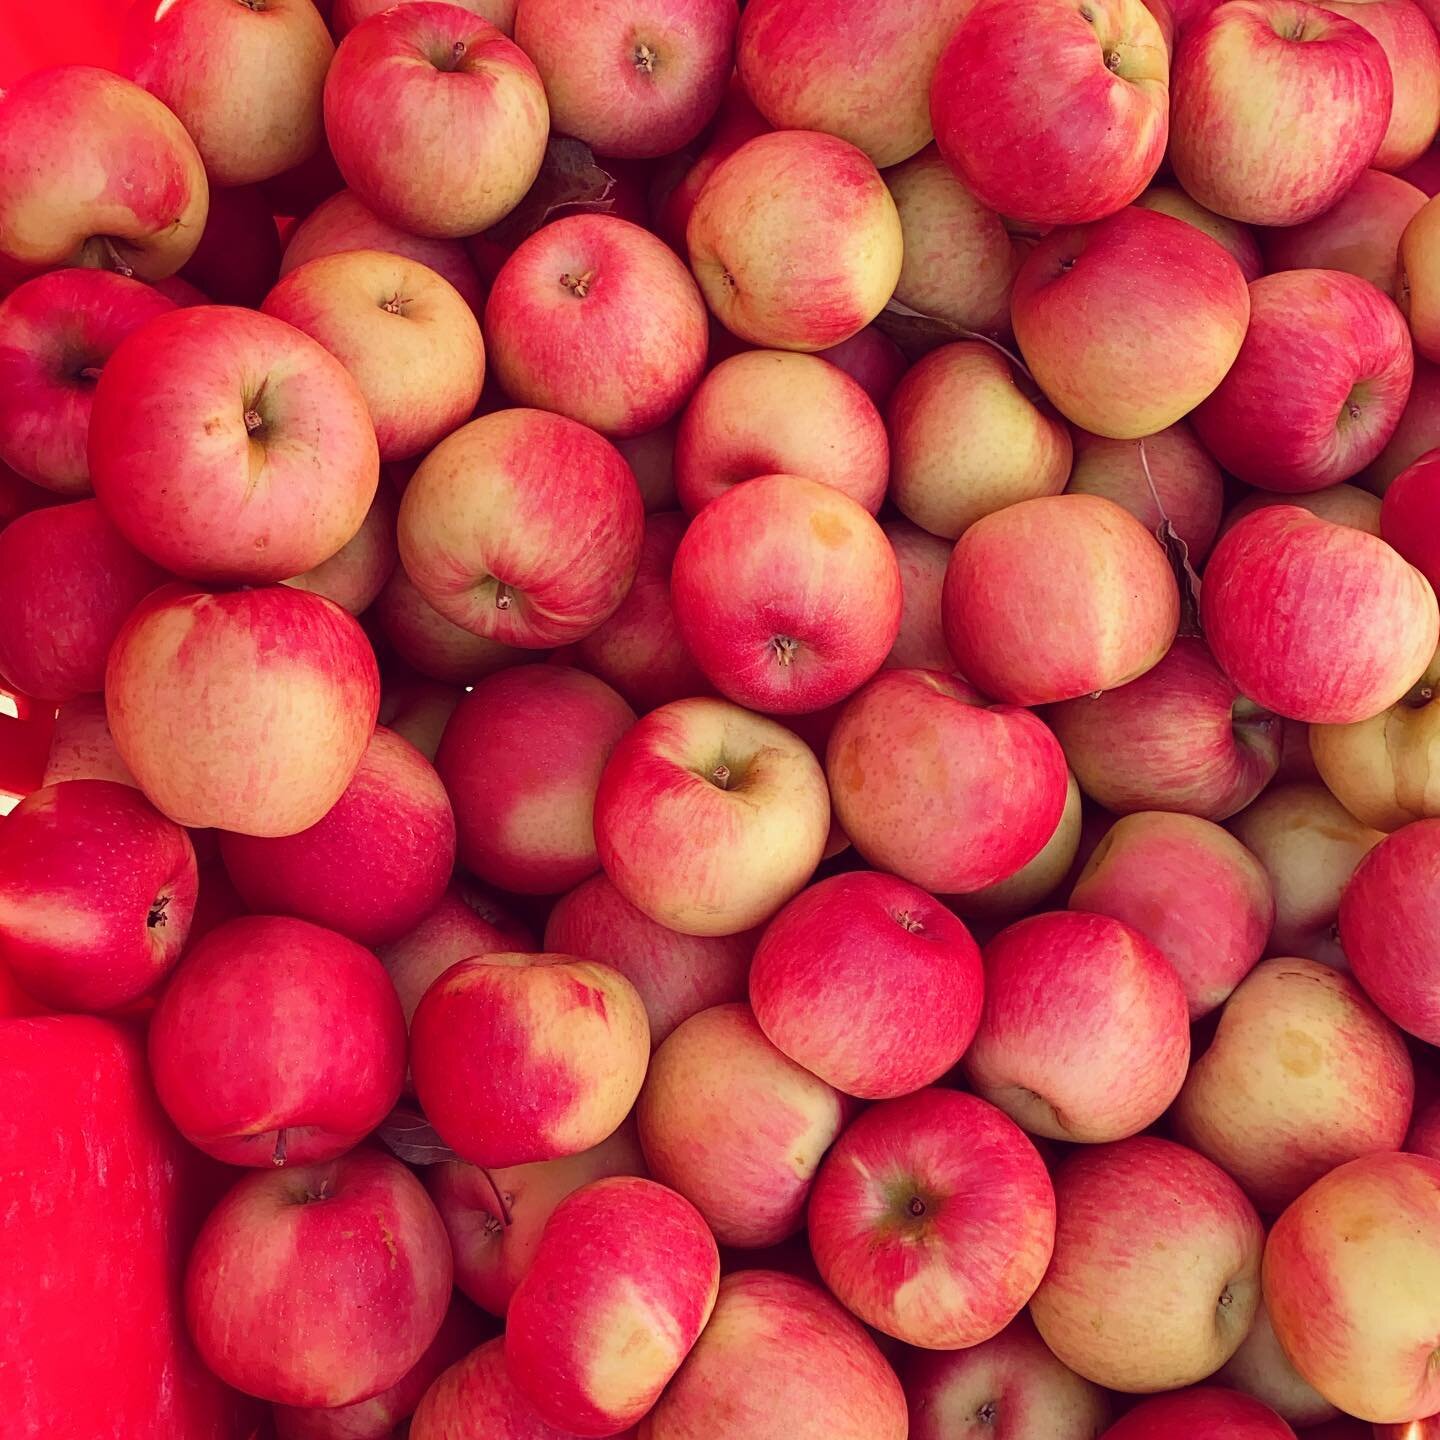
(417, 711)
(437, 121)
(206, 744)
(1417, 432)
(1410, 516)
(1240, 240)
(347, 1280)
(922, 557)
(1260, 1368)
(347, 14)
(97, 890)
(354, 576)
(1204, 1410)
(433, 645)
(872, 359)
(82, 747)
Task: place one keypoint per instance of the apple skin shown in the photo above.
(1075, 567)
(751, 787)
(238, 257)
(1424, 1137)
(523, 526)
(132, 199)
(736, 1127)
(1085, 1034)
(57, 332)
(1260, 1368)
(359, 570)
(769, 412)
(872, 359)
(347, 1281)
(967, 440)
(1105, 69)
(1240, 240)
(651, 458)
(1193, 890)
(183, 703)
(795, 241)
(933, 1219)
(970, 800)
(1340, 504)
(1205, 1410)
(1325, 102)
(1417, 432)
(1117, 370)
(373, 867)
(347, 14)
(425, 640)
(677, 975)
(1319, 385)
(1410, 515)
(494, 1249)
(622, 1284)
(97, 891)
(440, 158)
(922, 557)
(81, 746)
(219, 394)
(631, 81)
(68, 580)
(1009, 1387)
(781, 1361)
(1130, 1218)
(1415, 288)
(1321, 670)
(518, 1058)
(869, 983)
(417, 710)
(1352, 1276)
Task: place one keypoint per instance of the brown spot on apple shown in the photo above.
(829, 529)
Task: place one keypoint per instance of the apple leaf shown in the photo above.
(410, 1137)
(569, 181)
(1177, 552)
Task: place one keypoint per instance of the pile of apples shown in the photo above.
(895, 890)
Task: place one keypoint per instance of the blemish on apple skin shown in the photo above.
(828, 529)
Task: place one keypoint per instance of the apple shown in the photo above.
(1291, 604)
(1117, 370)
(132, 198)
(1352, 1283)
(238, 257)
(417, 711)
(795, 241)
(1240, 240)
(354, 576)
(1409, 515)
(97, 891)
(208, 746)
(1104, 67)
(522, 526)
(518, 1058)
(437, 122)
(623, 1281)
(82, 747)
(1415, 289)
(1417, 432)
(872, 359)
(1205, 1410)
(433, 645)
(933, 1219)
(1260, 1368)
(1340, 504)
(57, 332)
(1276, 109)
(968, 439)
(521, 759)
(268, 428)
(347, 14)
(922, 557)
(346, 1281)
(1424, 1137)
(651, 457)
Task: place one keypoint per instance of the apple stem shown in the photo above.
(253, 421)
(504, 597)
(505, 1217)
(457, 52)
(117, 261)
(278, 1158)
(1005, 350)
(720, 775)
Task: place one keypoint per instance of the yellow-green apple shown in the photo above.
(769, 412)
(56, 333)
(752, 788)
(868, 982)
(1277, 107)
(404, 333)
(1094, 135)
(1291, 604)
(247, 710)
(132, 199)
(424, 639)
(417, 710)
(1417, 432)
(68, 580)
(631, 81)
(677, 975)
(82, 747)
(1340, 504)
(1204, 1410)
(373, 867)
(1192, 889)
(795, 241)
(495, 1218)
(872, 359)
(97, 891)
(277, 1042)
(518, 1058)
(523, 526)
(345, 15)
(1410, 515)
(244, 79)
(238, 257)
(922, 557)
(787, 594)
(623, 1281)
(268, 428)
(858, 71)
(1084, 1035)
(437, 122)
(1303, 1074)
(967, 439)
(1309, 845)
(1156, 1272)
(1077, 568)
(781, 1361)
(1009, 1387)
(1352, 1283)
(1262, 1369)
(960, 256)
(1240, 240)
(359, 570)
(735, 1126)
(347, 1280)
(1115, 370)
(933, 1219)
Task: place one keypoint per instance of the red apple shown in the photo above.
(1340, 504)
(417, 711)
(872, 359)
(651, 457)
(1410, 516)
(354, 576)
(1417, 432)
(1203, 1411)
(1240, 240)
(433, 645)
(347, 14)
(922, 557)
(238, 257)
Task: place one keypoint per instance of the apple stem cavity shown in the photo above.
(506, 1219)
(987, 1413)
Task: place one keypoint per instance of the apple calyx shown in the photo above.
(988, 1412)
(578, 285)
(785, 649)
(1420, 696)
(906, 921)
(395, 305)
(917, 1207)
(645, 58)
(157, 917)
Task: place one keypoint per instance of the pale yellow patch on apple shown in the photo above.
(635, 1341)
